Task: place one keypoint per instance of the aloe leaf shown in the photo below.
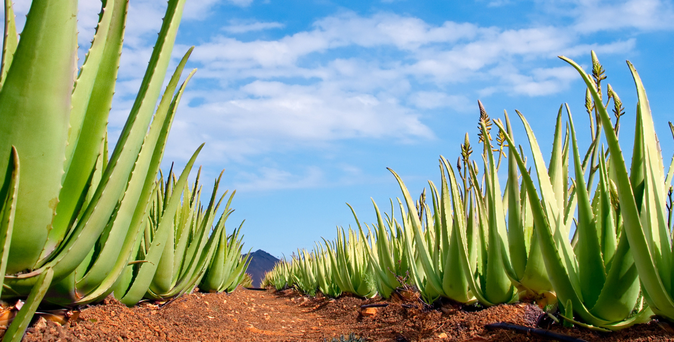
(670, 173)
(185, 226)
(621, 289)
(200, 254)
(567, 288)
(10, 41)
(101, 56)
(455, 284)
(516, 240)
(561, 277)
(499, 288)
(203, 260)
(588, 250)
(34, 110)
(415, 226)
(126, 151)
(161, 282)
(236, 264)
(525, 253)
(556, 167)
(146, 270)
(15, 331)
(237, 275)
(460, 234)
(535, 276)
(91, 102)
(380, 260)
(553, 212)
(8, 195)
(607, 229)
(132, 213)
(198, 245)
(219, 266)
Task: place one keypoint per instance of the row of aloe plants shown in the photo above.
(580, 227)
(77, 224)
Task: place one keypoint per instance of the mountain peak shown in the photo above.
(261, 262)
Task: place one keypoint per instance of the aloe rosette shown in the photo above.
(181, 244)
(643, 196)
(477, 243)
(593, 275)
(436, 267)
(386, 250)
(303, 270)
(527, 268)
(351, 264)
(73, 219)
(325, 276)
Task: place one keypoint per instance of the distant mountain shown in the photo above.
(261, 262)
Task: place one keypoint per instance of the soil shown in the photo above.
(250, 315)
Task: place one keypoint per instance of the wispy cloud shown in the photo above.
(239, 27)
(437, 99)
(265, 116)
(602, 15)
(241, 3)
(350, 76)
(301, 90)
(275, 179)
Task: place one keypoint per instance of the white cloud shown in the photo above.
(242, 27)
(436, 99)
(299, 91)
(270, 178)
(313, 88)
(241, 3)
(620, 46)
(198, 10)
(499, 3)
(389, 29)
(264, 116)
(601, 15)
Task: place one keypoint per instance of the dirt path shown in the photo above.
(248, 315)
(244, 315)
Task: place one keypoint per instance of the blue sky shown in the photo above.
(305, 103)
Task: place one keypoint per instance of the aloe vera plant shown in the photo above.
(593, 276)
(180, 244)
(438, 269)
(325, 276)
(350, 264)
(475, 243)
(303, 271)
(73, 220)
(642, 196)
(227, 269)
(386, 250)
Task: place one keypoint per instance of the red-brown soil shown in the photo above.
(248, 315)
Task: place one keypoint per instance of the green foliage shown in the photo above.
(642, 196)
(470, 242)
(72, 217)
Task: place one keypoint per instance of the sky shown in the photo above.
(306, 103)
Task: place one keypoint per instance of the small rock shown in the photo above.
(368, 311)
